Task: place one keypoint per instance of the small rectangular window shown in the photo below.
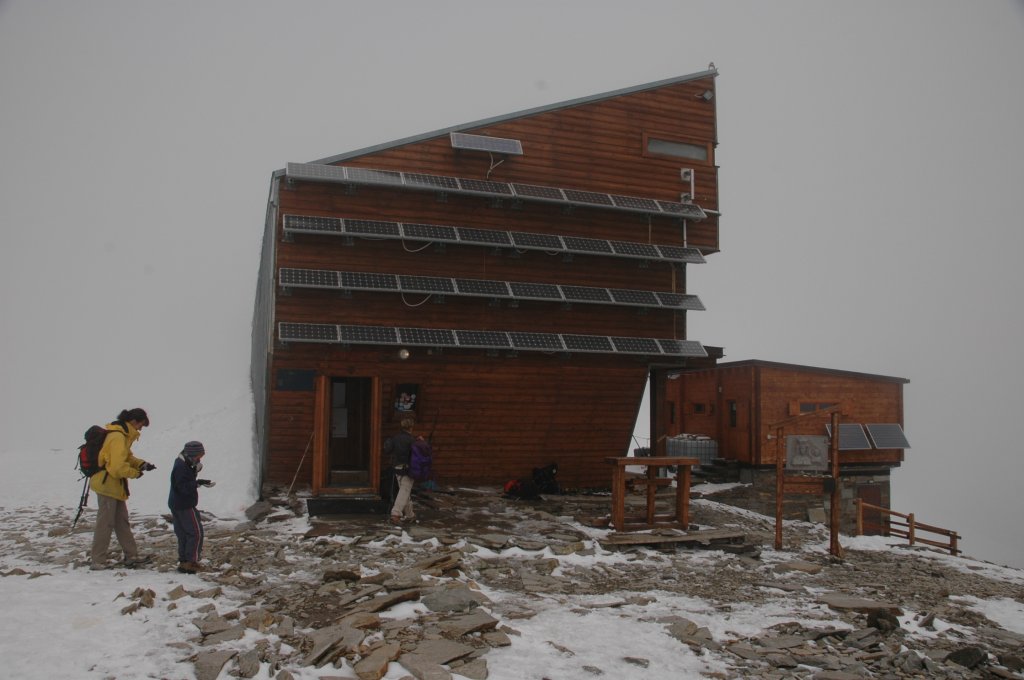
(733, 414)
(699, 409)
(676, 149)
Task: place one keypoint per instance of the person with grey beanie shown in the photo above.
(183, 501)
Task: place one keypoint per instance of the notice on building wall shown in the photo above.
(406, 397)
(807, 453)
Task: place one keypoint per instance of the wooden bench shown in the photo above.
(650, 520)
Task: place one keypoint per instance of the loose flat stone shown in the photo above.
(474, 670)
(843, 602)
(469, 623)
(235, 632)
(450, 599)
(493, 541)
(798, 565)
(374, 666)
(443, 651)
(326, 640)
(208, 665)
(422, 668)
(782, 642)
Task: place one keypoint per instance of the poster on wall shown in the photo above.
(406, 398)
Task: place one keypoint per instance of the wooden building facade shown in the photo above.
(511, 283)
(744, 406)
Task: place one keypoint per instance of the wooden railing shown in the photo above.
(908, 527)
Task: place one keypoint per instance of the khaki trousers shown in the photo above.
(403, 501)
(112, 516)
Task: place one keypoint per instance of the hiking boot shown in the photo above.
(98, 567)
(187, 567)
(138, 561)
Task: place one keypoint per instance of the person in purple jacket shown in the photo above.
(182, 500)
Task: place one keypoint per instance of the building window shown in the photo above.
(812, 406)
(699, 409)
(675, 148)
(732, 414)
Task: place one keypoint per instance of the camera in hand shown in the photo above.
(146, 467)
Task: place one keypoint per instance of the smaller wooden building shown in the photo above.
(741, 406)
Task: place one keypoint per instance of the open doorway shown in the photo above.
(349, 443)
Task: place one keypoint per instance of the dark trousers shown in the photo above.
(188, 527)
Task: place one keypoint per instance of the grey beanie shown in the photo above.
(193, 450)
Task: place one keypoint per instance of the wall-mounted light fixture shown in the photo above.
(403, 354)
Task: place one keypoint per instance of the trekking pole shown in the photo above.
(82, 502)
(301, 460)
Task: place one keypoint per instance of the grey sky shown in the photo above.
(871, 177)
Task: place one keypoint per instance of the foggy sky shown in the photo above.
(871, 178)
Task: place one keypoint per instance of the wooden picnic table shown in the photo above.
(649, 519)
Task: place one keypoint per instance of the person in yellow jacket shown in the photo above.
(111, 486)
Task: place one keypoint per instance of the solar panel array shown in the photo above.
(548, 292)
(509, 147)
(518, 240)
(528, 192)
(851, 437)
(887, 436)
(480, 339)
(882, 436)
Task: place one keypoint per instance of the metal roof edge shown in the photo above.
(760, 363)
(518, 114)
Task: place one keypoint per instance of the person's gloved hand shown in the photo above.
(205, 482)
(146, 467)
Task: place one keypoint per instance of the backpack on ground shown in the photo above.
(89, 452)
(421, 460)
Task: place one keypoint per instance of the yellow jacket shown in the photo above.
(117, 461)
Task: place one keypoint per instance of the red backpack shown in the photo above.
(89, 452)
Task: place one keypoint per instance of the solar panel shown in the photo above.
(636, 345)
(590, 197)
(435, 337)
(541, 341)
(544, 291)
(587, 245)
(687, 210)
(679, 301)
(680, 254)
(315, 171)
(586, 294)
(536, 191)
(308, 278)
(887, 436)
(635, 249)
(487, 236)
(367, 176)
(634, 297)
(371, 227)
(483, 186)
(529, 240)
(307, 332)
(369, 335)
(426, 284)
(684, 348)
(496, 339)
(482, 287)
(634, 203)
(368, 281)
(461, 140)
(415, 179)
(312, 224)
(851, 437)
(429, 232)
(587, 343)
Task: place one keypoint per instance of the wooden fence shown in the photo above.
(908, 527)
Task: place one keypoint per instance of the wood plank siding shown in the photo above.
(498, 413)
(737, 404)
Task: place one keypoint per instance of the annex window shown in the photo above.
(733, 414)
(699, 409)
(676, 148)
(812, 406)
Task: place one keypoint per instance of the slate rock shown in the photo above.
(474, 622)
(249, 664)
(842, 602)
(968, 657)
(443, 651)
(208, 665)
(374, 666)
(258, 510)
(797, 565)
(884, 621)
(450, 599)
(474, 670)
(423, 668)
(330, 640)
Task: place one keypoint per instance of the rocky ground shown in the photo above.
(317, 593)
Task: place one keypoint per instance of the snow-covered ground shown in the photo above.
(62, 621)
